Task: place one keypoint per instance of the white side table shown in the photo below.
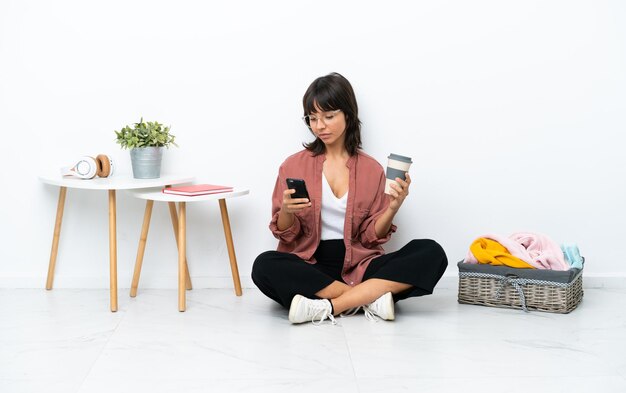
(151, 195)
(111, 184)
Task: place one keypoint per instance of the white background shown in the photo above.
(512, 111)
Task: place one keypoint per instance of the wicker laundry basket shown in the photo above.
(526, 289)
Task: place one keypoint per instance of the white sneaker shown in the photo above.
(314, 310)
(382, 308)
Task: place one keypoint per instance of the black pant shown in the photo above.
(281, 276)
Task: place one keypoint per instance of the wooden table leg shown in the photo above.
(231, 248)
(174, 218)
(113, 250)
(142, 247)
(182, 245)
(55, 237)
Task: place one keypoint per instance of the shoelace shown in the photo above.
(325, 314)
(371, 315)
(350, 312)
(322, 313)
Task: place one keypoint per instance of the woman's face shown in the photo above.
(329, 126)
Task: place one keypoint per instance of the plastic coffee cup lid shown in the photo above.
(398, 157)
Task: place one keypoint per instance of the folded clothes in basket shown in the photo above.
(520, 250)
(572, 255)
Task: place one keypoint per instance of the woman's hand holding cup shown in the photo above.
(399, 190)
(397, 180)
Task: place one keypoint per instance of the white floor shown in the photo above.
(68, 341)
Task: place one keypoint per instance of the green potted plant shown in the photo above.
(145, 140)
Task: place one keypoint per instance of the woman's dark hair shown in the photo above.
(328, 93)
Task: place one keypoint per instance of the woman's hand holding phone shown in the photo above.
(294, 205)
(295, 199)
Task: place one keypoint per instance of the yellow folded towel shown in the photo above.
(491, 252)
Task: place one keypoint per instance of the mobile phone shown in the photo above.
(300, 186)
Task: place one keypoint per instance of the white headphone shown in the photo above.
(87, 167)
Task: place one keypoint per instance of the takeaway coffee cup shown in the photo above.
(396, 167)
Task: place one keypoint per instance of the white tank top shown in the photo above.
(333, 212)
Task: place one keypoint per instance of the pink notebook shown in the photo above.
(197, 189)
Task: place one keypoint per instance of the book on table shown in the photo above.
(197, 189)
